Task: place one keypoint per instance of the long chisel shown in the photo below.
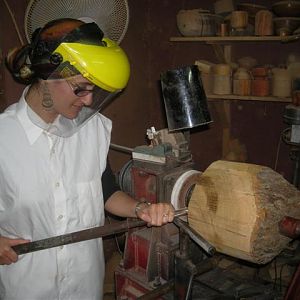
(84, 235)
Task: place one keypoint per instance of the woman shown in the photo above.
(54, 173)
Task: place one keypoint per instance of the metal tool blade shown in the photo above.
(84, 235)
(195, 236)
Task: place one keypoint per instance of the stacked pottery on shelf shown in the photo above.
(222, 79)
(264, 23)
(238, 22)
(244, 78)
(198, 22)
(281, 83)
(287, 17)
(205, 68)
(260, 81)
(224, 8)
(242, 82)
(252, 9)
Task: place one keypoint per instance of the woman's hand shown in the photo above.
(156, 214)
(7, 254)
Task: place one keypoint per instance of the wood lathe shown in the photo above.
(237, 208)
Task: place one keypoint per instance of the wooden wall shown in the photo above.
(252, 128)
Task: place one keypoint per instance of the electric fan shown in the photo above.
(112, 16)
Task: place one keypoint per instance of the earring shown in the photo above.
(25, 72)
(47, 101)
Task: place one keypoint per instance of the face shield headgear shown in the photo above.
(82, 51)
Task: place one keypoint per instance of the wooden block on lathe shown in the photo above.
(237, 207)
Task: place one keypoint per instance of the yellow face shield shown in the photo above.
(98, 59)
(105, 66)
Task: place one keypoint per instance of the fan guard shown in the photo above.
(112, 16)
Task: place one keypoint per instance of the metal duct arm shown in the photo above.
(121, 148)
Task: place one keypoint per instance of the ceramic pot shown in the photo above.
(281, 83)
(239, 19)
(242, 82)
(222, 79)
(264, 23)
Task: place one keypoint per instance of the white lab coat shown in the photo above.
(50, 186)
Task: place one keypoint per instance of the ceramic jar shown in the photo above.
(260, 85)
(205, 68)
(242, 82)
(281, 83)
(238, 21)
(264, 23)
(222, 79)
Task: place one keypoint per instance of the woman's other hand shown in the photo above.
(7, 254)
(156, 214)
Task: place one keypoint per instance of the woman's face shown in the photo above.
(70, 95)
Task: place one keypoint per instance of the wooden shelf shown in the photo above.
(248, 98)
(213, 39)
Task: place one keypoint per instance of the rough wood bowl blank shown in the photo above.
(196, 22)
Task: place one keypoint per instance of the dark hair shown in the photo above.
(35, 60)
